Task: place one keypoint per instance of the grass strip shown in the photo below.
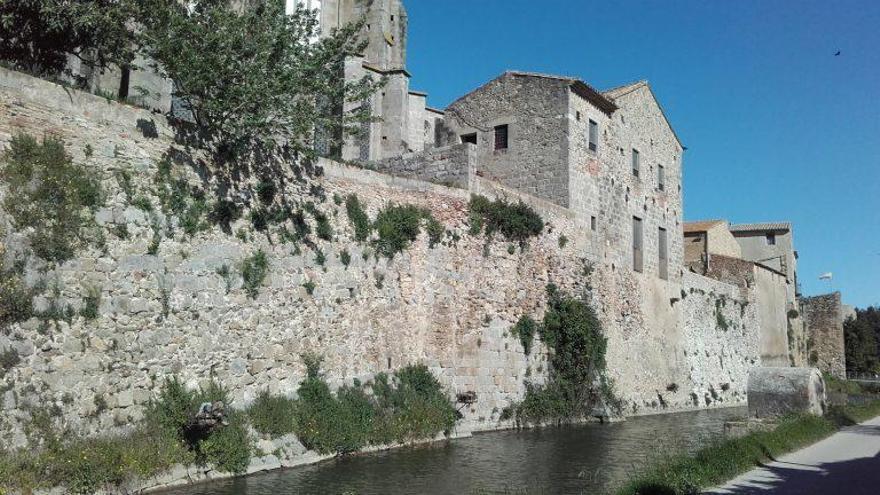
(727, 458)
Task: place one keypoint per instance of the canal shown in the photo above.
(582, 459)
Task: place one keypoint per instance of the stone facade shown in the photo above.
(823, 319)
(172, 313)
(452, 166)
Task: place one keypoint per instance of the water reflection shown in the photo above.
(575, 459)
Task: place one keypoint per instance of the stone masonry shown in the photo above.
(450, 307)
(823, 319)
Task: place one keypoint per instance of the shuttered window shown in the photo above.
(594, 136)
(635, 162)
(664, 255)
(638, 250)
(501, 137)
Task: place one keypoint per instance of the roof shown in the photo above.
(761, 227)
(432, 109)
(578, 86)
(418, 93)
(701, 225)
(621, 91)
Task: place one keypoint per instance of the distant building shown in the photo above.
(706, 238)
(770, 244)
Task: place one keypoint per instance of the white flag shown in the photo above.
(826, 276)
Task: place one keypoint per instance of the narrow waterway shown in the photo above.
(570, 460)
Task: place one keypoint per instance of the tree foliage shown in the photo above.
(861, 339)
(38, 35)
(256, 74)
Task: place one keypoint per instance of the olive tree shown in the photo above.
(254, 74)
(37, 36)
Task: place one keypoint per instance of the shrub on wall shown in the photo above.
(273, 415)
(410, 405)
(398, 226)
(359, 219)
(49, 196)
(525, 330)
(573, 334)
(516, 222)
(253, 271)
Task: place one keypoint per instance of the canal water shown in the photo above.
(582, 459)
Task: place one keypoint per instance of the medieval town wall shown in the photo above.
(450, 307)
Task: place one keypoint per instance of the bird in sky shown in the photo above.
(837, 54)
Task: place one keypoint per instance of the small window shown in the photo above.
(664, 255)
(593, 224)
(577, 116)
(501, 142)
(392, 18)
(469, 138)
(635, 162)
(771, 239)
(661, 178)
(638, 258)
(594, 136)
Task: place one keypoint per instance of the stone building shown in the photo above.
(770, 244)
(706, 238)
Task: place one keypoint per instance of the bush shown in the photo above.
(412, 406)
(50, 195)
(358, 218)
(572, 332)
(253, 271)
(516, 222)
(345, 257)
(399, 226)
(91, 303)
(16, 299)
(227, 447)
(9, 358)
(525, 330)
(273, 415)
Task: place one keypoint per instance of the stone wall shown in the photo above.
(823, 318)
(451, 166)
(450, 307)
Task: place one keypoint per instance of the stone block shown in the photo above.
(776, 392)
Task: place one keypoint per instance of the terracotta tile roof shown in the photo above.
(760, 227)
(701, 226)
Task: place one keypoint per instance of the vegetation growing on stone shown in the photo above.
(516, 222)
(408, 406)
(16, 298)
(358, 218)
(91, 303)
(398, 226)
(573, 335)
(273, 415)
(525, 330)
(49, 196)
(253, 272)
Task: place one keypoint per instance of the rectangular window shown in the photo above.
(593, 224)
(501, 142)
(469, 138)
(771, 239)
(577, 116)
(594, 136)
(661, 178)
(635, 160)
(664, 255)
(638, 264)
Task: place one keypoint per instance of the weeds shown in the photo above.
(253, 271)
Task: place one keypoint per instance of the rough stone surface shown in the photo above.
(450, 307)
(776, 392)
(823, 318)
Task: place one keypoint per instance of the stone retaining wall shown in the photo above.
(450, 307)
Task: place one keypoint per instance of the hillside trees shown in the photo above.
(861, 338)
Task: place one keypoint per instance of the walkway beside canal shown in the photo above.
(846, 462)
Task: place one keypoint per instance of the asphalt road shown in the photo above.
(847, 462)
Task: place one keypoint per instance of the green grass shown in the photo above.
(727, 458)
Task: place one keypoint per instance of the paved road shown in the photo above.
(847, 463)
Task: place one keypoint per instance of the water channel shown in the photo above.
(582, 459)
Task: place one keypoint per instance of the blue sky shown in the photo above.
(777, 127)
